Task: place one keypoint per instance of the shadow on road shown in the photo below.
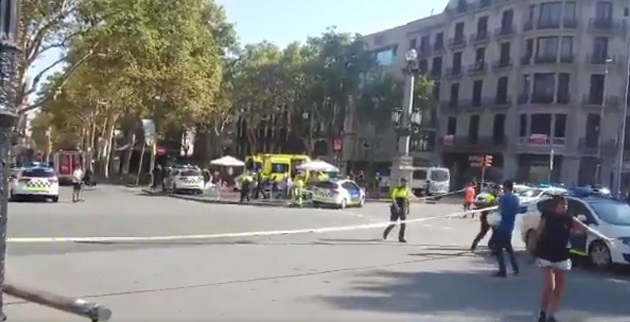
(513, 299)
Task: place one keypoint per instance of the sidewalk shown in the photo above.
(228, 198)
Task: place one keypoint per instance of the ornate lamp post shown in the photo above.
(9, 15)
(407, 120)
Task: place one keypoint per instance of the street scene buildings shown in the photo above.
(540, 85)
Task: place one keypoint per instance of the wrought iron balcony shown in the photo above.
(590, 146)
(569, 23)
(542, 98)
(545, 59)
(607, 25)
(502, 64)
(601, 59)
(594, 101)
(480, 38)
(480, 144)
(504, 32)
(500, 102)
(477, 68)
(452, 72)
(457, 43)
(548, 24)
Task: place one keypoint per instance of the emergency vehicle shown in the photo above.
(34, 183)
(184, 179)
(64, 163)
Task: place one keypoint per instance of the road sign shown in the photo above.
(476, 161)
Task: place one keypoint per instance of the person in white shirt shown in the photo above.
(77, 181)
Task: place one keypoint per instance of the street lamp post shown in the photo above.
(9, 16)
(602, 111)
(406, 119)
(622, 132)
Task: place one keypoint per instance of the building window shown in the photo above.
(560, 126)
(422, 142)
(596, 91)
(473, 129)
(504, 58)
(423, 66)
(522, 126)
(547, 49)
(502, 90)
(544, 87)
(439, 41)
(498, 128)
(566, 47)
(550, 15)
(462, 6)
(459, 31)
(600, 50)
(527, 83)
(507, 21)
(436, 70)
(436, 91)
(592, 130)
(482, 27)
(413, 43)
(603, 10)
(425, 44)
(480, 56)
(451, 125)
(541, 124)
(454, 98)
(570, 16)
(477, 92)
(529, 48)
(457, 63)
(564, 96)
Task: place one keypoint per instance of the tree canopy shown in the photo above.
(179, 63)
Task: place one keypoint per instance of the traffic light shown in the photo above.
(487, 161)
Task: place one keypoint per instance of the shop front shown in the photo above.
(465, 167)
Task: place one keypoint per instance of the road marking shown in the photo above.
(375, 225)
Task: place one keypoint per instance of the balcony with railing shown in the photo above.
(504, 32)
(542, 98)
(501, 102)
(457, 43)
(453, 72)
(467, 105)
(607, 25)
(543, 58)
(478, 68)
(548, 24)
(540, 144)
(502, 64)
(569, 22)
(468, 143)
(590, 146)
(596, 102)
(480, 38)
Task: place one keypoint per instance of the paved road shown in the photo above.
(349, 275)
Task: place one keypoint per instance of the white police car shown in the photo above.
(34, 183)
(608, 216)
(338, 193)
(184, 179)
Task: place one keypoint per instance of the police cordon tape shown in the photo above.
(141, 239)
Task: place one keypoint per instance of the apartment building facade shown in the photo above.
(538, 84)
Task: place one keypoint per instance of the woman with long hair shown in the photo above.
(552, 251)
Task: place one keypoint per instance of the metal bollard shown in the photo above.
(93, 311)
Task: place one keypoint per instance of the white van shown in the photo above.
(438, 180)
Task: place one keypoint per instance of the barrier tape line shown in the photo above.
(139, 239)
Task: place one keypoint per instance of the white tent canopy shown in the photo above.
(317, 165)
(228, 161)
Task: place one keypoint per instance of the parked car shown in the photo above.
(34, 183)
(184, 179)
(338, 193)
(609, 216)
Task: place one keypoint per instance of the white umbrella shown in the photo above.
(317, 165)
(228, 161)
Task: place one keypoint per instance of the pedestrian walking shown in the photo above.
(399, 210)
(501, 239)
(469, 198)
(77, 182)
(157, 176)
(491, 200)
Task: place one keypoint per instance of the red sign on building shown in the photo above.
(538, 139)
(448, 140)
(337, 144)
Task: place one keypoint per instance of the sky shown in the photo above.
(285, 21)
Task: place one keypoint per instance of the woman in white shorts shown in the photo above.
(552, 252)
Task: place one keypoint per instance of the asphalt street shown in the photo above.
(343, 275)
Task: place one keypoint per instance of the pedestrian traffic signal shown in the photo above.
(487, 161)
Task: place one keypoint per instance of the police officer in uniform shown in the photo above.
(399, 210)
(491, 200)
(246, 183)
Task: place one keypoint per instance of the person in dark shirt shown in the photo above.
(552, 252)
(502, 234)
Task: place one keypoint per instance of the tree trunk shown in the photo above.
(128, 155)
(140, 164)
(106, 151)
